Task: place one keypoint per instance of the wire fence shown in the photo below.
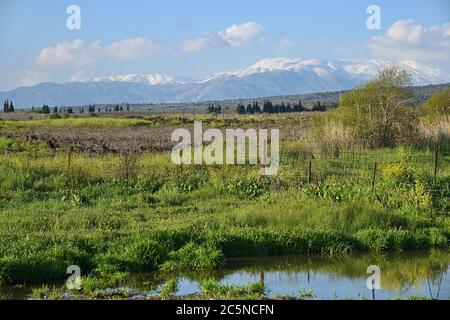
(429, 162)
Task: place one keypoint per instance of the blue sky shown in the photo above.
(196, 38)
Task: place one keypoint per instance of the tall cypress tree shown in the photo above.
(257, 108)
(240, 109)
(6, 106)
(46, 109)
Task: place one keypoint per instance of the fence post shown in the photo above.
(374, 176)
(69, 158)
(310, 171)
(262, 166)
(436, 161)
(126, 166)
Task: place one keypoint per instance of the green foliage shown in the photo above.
(52, 216)
(244, 188)
(378, 113)
(438, 105)
(170, 287)
(213, 290)
(189, 182)
(306, 294)
(398, 174)
(194, 257)
(146, 254)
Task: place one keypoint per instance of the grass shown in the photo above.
(91, 215)
(210, 289)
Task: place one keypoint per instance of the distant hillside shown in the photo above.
(421, 94)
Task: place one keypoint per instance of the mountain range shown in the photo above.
(268, 77)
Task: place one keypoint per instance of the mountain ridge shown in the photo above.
(267, 77)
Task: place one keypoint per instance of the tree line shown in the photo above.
(214, 109)
(270, 107)
(91, 108)
(8, 106)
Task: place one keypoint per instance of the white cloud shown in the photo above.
(239, 34)
(233, 36)
(73, 60)
(73, 53)
(78, 53)
(404, 39)
(286, 43)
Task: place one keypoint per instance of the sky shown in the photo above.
(197, 38)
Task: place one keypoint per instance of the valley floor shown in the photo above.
(115, 212)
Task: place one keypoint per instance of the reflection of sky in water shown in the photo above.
(325, 285)
(186, 287)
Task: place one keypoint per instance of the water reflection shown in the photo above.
(403, 275)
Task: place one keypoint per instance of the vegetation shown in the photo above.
(8, 106)
(438, 105)
(378, 113)
(91, 215)
(271, 108)
(121, 211)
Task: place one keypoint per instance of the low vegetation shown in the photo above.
(112, 213)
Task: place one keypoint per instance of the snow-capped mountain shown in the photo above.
(268, 77)
(326, 69)
(150, 79)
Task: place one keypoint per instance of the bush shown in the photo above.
(438, 105)
(377, 113)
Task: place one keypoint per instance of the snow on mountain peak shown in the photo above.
(274, 64)
(337, 70)
(150, 79)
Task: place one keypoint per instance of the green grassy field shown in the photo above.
(109, 215)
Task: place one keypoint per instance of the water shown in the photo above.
(403, 275)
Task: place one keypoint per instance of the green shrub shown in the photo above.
(146, 254)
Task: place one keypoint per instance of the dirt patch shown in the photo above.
(101, 140)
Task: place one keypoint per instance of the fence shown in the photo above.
(430, 161)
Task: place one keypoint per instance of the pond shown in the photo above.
(402, 274)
